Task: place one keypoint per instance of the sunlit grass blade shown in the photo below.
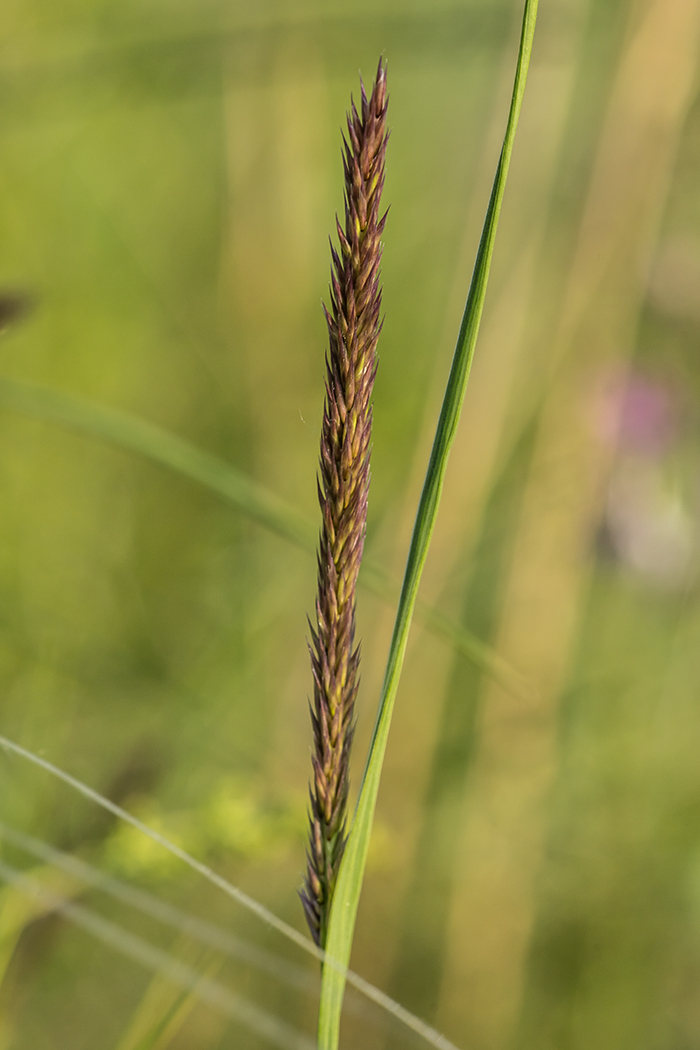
(233, 485)
(429, 1034)
(349, 884)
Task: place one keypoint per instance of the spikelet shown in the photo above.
(354, 324)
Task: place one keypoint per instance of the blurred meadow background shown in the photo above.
(169, 173)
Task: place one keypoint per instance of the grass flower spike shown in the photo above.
(354, 324)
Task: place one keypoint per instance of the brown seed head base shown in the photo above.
(354, 324)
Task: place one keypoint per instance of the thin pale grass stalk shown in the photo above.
(190, 925)
(354, 324)
(265, 1024)
(370, 991)
(244, 899)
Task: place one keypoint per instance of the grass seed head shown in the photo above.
(354, 324)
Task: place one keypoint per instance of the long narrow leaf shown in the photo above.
(349, 884)
(248, 496)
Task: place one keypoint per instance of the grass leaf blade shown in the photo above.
(349, 884)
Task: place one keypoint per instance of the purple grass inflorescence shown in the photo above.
(354, 324)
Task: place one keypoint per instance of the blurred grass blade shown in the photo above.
(249, 497)
(18, 911)
(166, 1005)
(273, 1030)
(168, 1027)
(164, 1028)
(228, 888)
(348, 887)
(431, 1036)
(190, 926)
(160, 445)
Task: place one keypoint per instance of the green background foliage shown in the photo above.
(168, 179)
